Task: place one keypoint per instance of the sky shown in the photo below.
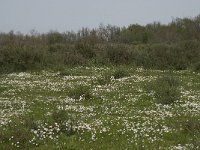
(67, 15)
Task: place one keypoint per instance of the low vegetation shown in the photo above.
(148, 109)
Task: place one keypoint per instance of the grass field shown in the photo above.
(98, 108)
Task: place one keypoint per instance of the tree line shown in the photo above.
(158, 46)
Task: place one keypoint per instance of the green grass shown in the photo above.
(89, 108)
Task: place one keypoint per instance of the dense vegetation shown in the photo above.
(156, 46)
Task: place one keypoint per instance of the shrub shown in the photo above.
(80, 91)
(191, 125)
(120, 73)
(73, 58)
(85, 49)
(141, 56)
(65, 73)
(60, 116)
(166, 56)
(197, 67)
(64, 120)
(21, 59)
(104, 79)
(2, 89)
(118, 54)
(17, 132)
(165, 89)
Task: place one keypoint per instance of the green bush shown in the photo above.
(118, 54)
(60, 116)
(120, 73)
(85, 49)
(80, 91)
(191, 125)
(197, 67)
(20, 59)
(2, 89)
(141, 56)
(167, 56)
(73, 58)
(64, 73)
(165, 89)
(64, 120)
(17, 132)
(105, 78)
